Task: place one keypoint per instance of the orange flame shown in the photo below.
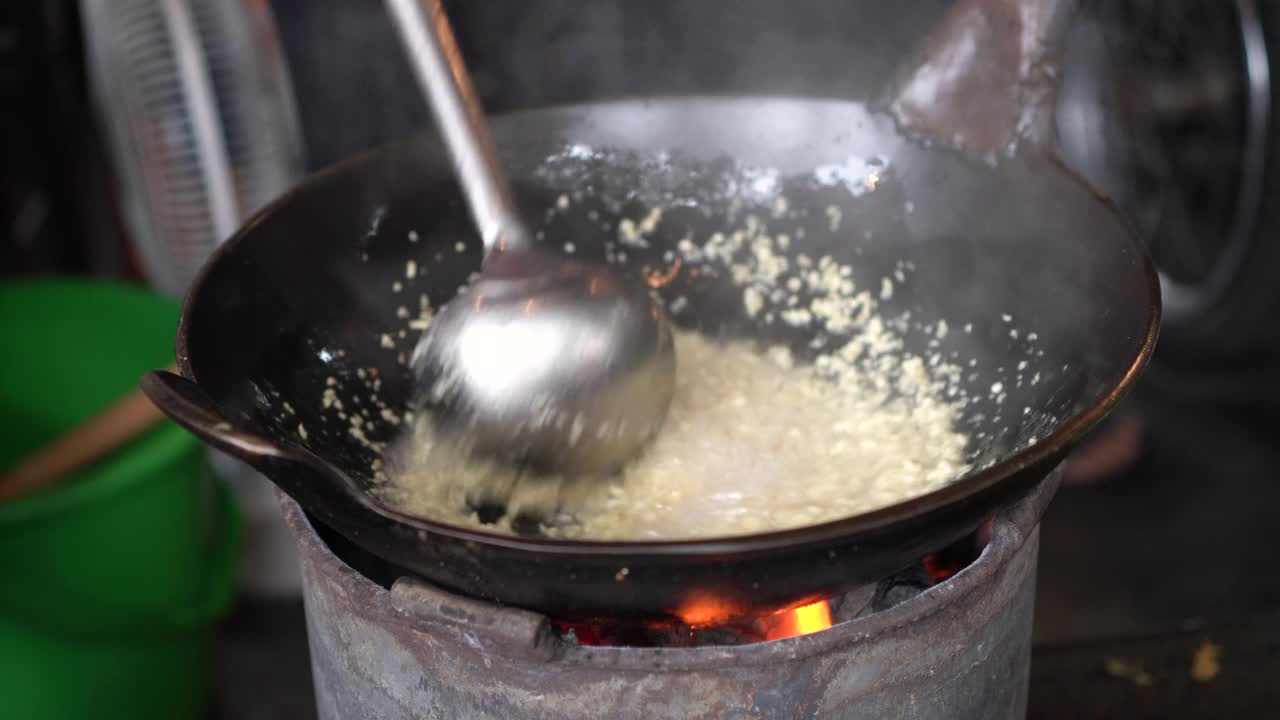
(801, 621)
(707, 610)
(702, 610)
(657, 279)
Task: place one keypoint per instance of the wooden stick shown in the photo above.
(121, 422)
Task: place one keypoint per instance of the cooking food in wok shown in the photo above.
(755, 441)
(929, 330)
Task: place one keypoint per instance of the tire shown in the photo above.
(1220, 318)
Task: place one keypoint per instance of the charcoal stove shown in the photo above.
(389, 646)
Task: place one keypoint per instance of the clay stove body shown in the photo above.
(960, 649)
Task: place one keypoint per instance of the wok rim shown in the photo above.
(1051, 448)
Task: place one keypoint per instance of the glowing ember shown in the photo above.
(707, 611)
(801, 621)
(706, 621)
(701, 610)
(937, 569)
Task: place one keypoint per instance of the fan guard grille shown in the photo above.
(199, 115)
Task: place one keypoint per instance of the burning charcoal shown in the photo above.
(853, 604)
(900, 587)
(728, 635)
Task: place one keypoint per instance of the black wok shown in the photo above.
(1041, 270)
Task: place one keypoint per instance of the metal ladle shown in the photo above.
(553, 365)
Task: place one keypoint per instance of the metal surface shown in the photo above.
(295, 290)
(206, 125)
(442, 76)
(307, 287)
(986, 78)
(593, 380)
(959, 650)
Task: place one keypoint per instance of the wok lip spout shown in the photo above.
(181, 399)
(1036, 459)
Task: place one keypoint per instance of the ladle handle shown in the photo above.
(438, 66)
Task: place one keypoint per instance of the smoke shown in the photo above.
(354, 88)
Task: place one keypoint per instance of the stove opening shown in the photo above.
(708, 621)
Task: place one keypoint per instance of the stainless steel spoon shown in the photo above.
(553, 365)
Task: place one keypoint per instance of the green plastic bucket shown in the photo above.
(113, 579)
